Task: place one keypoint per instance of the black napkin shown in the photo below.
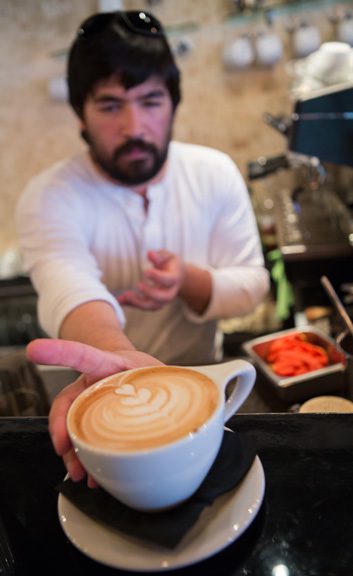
(168, 527)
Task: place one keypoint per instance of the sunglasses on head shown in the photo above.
(136, 21)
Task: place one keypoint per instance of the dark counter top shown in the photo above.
(304, 527)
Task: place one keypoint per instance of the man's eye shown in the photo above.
(109, 107)
(152, 103)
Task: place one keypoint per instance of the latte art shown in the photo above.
(145, 409)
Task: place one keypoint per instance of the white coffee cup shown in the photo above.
(332, 63)
(149, 436)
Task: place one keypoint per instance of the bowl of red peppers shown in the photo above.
(299, 363)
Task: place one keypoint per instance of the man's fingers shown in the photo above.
(73, 466)
(159, 294)
(58, 413)
(75, 355)
(126, 298)
(159, 257)
(161, 278)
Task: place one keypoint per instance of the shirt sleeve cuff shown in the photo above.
(234, 293)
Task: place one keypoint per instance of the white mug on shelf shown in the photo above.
(306, 39)
(239, 54)
(269, 48)
(345, 29)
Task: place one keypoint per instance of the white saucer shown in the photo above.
(217, 527)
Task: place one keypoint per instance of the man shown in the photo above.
(140, 245)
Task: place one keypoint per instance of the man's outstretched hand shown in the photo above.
(160, 283)
(93, 364)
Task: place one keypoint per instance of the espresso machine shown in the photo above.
(314, 220)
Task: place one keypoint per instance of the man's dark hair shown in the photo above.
(106, 47)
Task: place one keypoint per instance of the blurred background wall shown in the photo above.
(222, 106)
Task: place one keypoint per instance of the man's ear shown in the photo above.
(83, 130)
(84, 135)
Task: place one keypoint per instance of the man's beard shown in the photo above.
(131, 172)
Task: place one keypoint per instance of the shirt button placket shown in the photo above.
(151, 235)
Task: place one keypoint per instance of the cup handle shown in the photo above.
(226, 371)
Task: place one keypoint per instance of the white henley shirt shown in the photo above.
(85, 238)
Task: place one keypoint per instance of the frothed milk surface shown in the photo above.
(144, 409)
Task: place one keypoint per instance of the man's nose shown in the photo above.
(132, 122)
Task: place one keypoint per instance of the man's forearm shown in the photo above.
(196, 289)
(95, 323)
